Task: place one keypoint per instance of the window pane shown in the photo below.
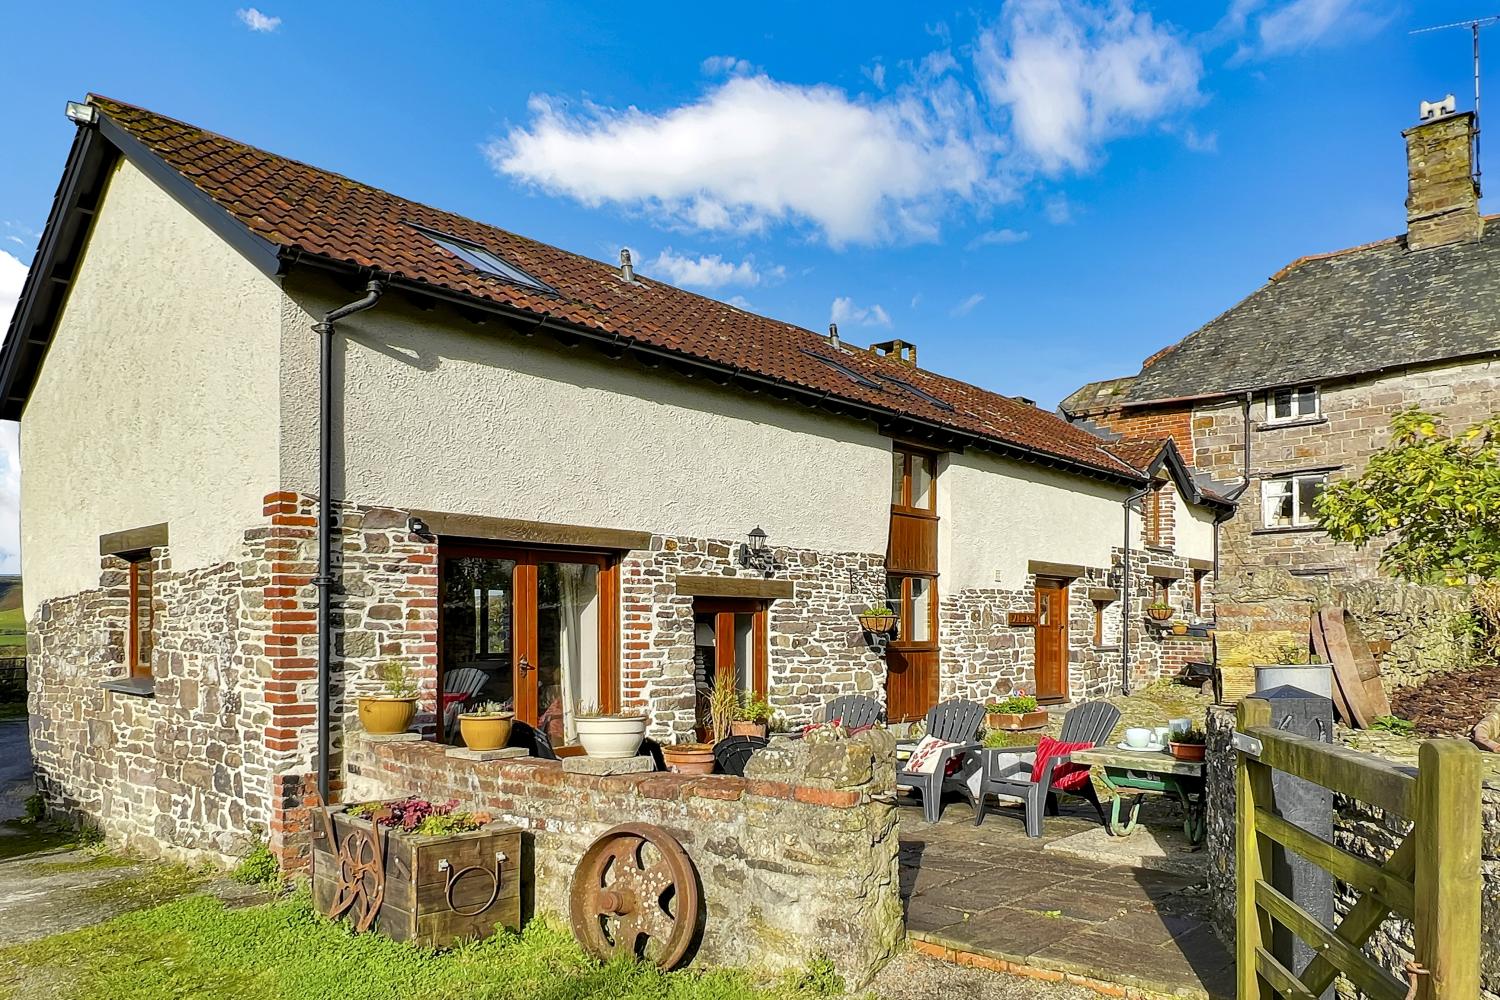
(477, 628)
(1308, 489)
(921, 610)
(1307, 402)
(1278, 503)
(1281, 405)
(744, 653)
(921, 482)
(567, 646)
(893, 601)
(140, 624)
(898, 479)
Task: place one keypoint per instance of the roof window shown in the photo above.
(479, 258)
(913, 390)
(847, 372)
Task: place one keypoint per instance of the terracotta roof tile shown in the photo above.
(300, 208)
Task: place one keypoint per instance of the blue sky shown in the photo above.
(1037, 193)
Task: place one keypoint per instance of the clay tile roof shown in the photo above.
(301, 210)
(1139, 453)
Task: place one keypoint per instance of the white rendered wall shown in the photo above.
(998, 514)
(1193, 527)
(446, 415)
(157, 399)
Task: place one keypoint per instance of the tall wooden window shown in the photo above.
(914, 599)
(913, 480)
(1198, 576)
(140, 632)
(1099, 607)
(1151, 511)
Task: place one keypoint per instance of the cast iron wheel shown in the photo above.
(635, 893)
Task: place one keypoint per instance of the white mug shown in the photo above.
(1138, 738)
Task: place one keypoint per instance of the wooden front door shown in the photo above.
(1050, 658)
(730, 636)
(911, 683)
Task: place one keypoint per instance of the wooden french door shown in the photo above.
(730, 635)
(911, 654)
(1050, 654)
(532, 628)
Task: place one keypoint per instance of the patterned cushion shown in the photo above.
(1068, 777)
(924, 757)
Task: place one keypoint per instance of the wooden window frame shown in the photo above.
(1198, 576)
(724, 610)
(904, 611)
(1300, 518)
(903, 504)
(138, 564)
(1099, 607)
(1152, 515)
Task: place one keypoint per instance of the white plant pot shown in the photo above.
(611, 739)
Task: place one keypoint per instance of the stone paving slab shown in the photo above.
(989, 894)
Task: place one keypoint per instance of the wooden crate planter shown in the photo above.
(1017, 721)
(431, 891)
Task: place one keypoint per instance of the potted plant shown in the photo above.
(611, 735)
(390, 713)
(877, 618)
(1179, 628)
(723, 704)
(1190, 744)
(689, 758)
(1160, 611)
(486, 726)
(752, 718)
(1016, 712)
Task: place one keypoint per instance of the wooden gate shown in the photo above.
(1433, 878)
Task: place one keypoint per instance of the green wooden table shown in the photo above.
(1124, 772)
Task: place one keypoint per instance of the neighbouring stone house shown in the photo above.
(571, 483)
(1296, 385)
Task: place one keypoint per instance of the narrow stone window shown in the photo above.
(1099, 607)
(142, 612)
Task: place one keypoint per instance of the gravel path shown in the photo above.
(916, 977)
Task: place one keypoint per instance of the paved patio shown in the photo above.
(988, 896)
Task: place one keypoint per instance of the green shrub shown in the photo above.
(36, 809)
(259, 867)
(1393, 724)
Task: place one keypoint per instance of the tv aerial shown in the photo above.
(1473, 26)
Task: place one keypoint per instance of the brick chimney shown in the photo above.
(1442, 202)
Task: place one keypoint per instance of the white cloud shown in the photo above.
(1074, 76)
(709, 270)
(1200, 142)
(876, 74)
(12, 277)
(845, 311)
(753, 151)
(999, 237)
(967, 305)
(1059, 210)
(256, 21)
(1280, 29)
(726, 66)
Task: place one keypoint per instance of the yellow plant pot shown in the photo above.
(485, 732)
(387, 716)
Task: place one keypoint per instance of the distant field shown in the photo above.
(12, 629)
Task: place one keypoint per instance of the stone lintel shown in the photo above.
(1201, 565)
(1104, 595)
(1040, 567)
(1165, 572)
(150, 536)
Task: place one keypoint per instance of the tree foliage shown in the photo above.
(1434, 495)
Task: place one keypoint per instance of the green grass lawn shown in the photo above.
(12, 632)
(194, 947)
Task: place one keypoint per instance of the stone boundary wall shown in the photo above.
(1357, 827)
(788, 871)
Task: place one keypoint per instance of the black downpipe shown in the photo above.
(324, 580)
(1125, 581)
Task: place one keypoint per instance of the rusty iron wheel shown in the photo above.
(635, 893)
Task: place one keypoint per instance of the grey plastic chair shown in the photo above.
(1010, 774)
(958, 723)
(854, 709)
(465, 681)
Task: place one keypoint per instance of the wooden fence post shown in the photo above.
(1252, 788)
(1448, 878)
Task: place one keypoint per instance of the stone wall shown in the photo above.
(1359, 828)
(788, 871)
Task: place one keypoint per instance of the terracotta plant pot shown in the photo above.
(1159, 614)
(382, 716)
(1016, 721)
(1188, 751)
(877, 623)
(744, 728)
(612, 737)
(689, 758)
(486, 732)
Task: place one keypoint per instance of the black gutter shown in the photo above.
(324, 580)
(814, 396)
(1125, 583)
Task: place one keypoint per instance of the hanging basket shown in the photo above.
(877, 623)
(1160, 614)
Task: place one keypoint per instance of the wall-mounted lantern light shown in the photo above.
(417, 526)
(755, 553)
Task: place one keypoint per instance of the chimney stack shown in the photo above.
(833, 336)
(627, 270)
(1442, 201)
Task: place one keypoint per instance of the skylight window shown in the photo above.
(919, 393)
(848, 373)
(480, 259)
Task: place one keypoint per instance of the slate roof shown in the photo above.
(303, 212)
(1352, 312)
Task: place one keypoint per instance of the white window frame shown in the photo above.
(1280, 486)
(1295, 392)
